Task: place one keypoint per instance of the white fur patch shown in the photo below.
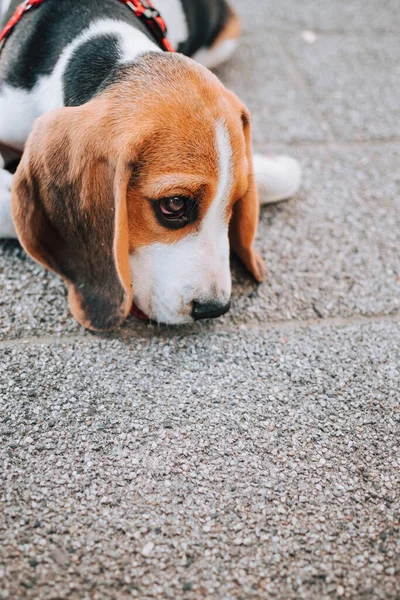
(278, 177)
(224, 151)
(132, 44)
(175, 19)
(213, 57)
(19, 109)
(7, 229)
(167, 278)
(17, 114)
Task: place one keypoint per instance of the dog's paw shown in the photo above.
(278, 177)
(7, 229)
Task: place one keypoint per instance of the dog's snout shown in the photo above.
(209, 310)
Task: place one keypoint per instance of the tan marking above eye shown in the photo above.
(172, 185)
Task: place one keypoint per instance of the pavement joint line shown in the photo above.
(337, 145)
(142, 334)
(302, 86)
(307, 323)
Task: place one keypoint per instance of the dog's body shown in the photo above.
(65, 52)
(98, 67)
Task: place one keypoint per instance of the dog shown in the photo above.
(137, 175)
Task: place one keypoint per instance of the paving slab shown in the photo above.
(332, 251)
(354, 82)
(280, 110)
(251, 465)
(325, 16)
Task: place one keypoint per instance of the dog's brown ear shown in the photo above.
(69, 210)
(244, 222)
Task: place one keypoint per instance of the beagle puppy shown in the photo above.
(137, 174)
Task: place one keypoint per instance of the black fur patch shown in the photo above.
(205, 20)
(37, 42)
(91, 64)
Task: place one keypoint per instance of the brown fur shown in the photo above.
(243, 226)
(232, 29)
(81, 195)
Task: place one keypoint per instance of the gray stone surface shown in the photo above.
(335, 249)
(354, 82)
(33, 300)
(325, 16)
(280, 112)
(256, 456)
(219, 466)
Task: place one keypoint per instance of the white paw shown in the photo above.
(7, 229)
(278, 177)
(217, 55)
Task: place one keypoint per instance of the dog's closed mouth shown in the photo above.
(139, 314)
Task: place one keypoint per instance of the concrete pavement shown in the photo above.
(256, 456)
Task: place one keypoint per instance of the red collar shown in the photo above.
(143, 9)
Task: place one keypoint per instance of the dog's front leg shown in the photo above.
(278, 177)
(7, 229)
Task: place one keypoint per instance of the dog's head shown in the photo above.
(138, 195)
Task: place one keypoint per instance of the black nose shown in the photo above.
(209, 310)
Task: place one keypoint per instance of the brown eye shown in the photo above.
(175, 212)
(173, 208)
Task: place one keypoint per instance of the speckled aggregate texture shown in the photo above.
(215, 466)
(258, 455)
(355, 81)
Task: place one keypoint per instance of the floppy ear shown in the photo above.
(69, 209)
(243, 225)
